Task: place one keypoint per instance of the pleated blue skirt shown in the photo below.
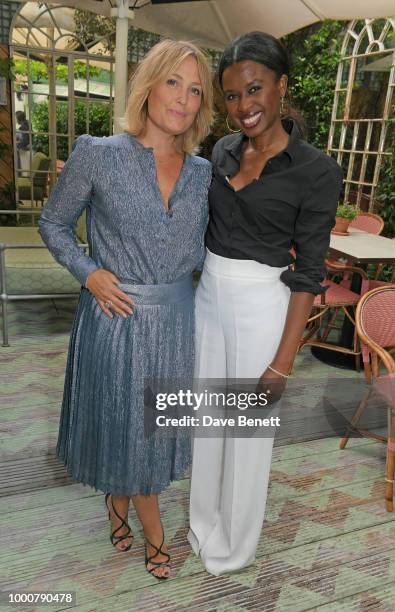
(102, 439)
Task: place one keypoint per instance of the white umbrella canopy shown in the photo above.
(213, 23)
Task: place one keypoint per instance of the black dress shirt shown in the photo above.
(292, 204)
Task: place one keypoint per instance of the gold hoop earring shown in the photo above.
(282, 106)
(228, 126)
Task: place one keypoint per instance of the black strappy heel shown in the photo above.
(159, 551)
(114, 538)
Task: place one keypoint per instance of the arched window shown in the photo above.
(63, 87)
(360, 135)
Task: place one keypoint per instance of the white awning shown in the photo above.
(213, 23)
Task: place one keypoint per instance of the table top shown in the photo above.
(364, 247)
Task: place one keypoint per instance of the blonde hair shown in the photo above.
(162, 60)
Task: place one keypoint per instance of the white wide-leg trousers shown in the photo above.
(241, 306)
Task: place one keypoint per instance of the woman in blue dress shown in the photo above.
(145, 196)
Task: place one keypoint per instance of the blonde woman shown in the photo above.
(145, 194)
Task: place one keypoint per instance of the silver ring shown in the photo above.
(108, 304)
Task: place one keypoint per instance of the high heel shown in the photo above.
(159, 551)
(114, 538)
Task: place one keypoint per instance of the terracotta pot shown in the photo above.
(341, 225)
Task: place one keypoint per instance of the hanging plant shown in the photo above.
(7, 68)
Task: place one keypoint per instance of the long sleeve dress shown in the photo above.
(102, 437)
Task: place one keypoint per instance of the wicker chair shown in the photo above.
(368, 222)
(372, 224)
(338, 297)
(375, 325)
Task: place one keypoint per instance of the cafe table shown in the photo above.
(359, 248)
(363, 248)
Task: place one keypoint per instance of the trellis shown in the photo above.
(7, 11)
(364, 86)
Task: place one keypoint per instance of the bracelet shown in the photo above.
(277, 372)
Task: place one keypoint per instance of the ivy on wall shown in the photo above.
(385, 195)
(315, 54)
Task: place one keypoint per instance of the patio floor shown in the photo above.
(327, 544)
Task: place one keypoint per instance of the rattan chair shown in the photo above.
(372, 224)
(368, 222)
(337, 298)
(375, 325)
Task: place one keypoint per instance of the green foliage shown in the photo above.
(385, 194)
(89, 26)
(39, 71)
(99, 124)
(315, 53)
(6, 68)
(346, 211)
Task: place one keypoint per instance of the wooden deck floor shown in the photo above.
(327, 544)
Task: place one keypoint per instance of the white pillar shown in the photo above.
(122, 14)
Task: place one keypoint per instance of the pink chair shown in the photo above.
(338, 297)
(375, 324)
(368, 222)
(372, 224)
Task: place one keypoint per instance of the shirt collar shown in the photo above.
(289, 125)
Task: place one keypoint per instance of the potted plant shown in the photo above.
(344, 215)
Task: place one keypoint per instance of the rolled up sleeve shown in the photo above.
(313, 225)
(68, 199)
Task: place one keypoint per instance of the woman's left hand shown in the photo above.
(272, 385)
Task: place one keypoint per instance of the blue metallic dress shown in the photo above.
(153, 252)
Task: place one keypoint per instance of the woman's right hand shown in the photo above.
(104, 286)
